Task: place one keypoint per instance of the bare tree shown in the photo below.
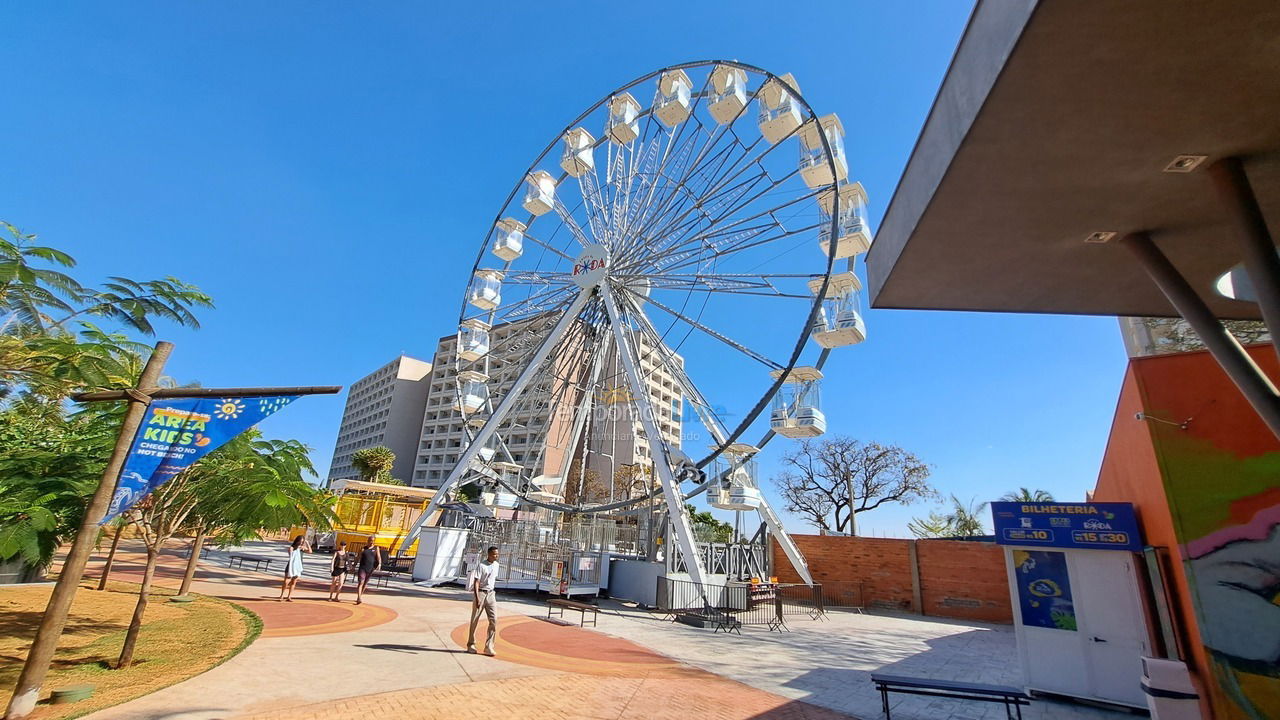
(583, 487)
(819, 478)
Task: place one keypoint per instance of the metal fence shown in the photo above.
(847, 594)
(733, 605)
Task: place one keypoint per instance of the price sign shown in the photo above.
(1091, 526)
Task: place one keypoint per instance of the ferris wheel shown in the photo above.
(667, 278)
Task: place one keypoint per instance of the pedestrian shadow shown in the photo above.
(410, 649)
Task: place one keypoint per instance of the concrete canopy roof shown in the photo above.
(1055, 121)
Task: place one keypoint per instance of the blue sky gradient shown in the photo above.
(326, 171)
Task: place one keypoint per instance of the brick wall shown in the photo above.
(964, 580)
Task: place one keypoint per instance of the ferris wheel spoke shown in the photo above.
(551, 302)
(537, 278)
(726, 282)
(723, 176)
(739, 243)
(681, 201)
(722, 223)
(566, 217)
(712, 136)
(706, 414)
(547, 246)
(672, 138)
(708, 330)
(729, 238)
(589, 187)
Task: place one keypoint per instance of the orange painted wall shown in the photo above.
(1180, 480)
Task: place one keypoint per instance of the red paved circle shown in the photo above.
(577, 643)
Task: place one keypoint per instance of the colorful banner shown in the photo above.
(1082, 526)
(179, 431)
(1044, 589)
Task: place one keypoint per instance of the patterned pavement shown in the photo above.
(401, 655)
(569, 695)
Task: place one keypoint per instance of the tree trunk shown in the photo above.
(196, 546)
(27, 690)
(853, 527)
(111, 558)
(131, 637)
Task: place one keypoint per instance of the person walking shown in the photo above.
(370, 562)
(293, 568)
(481, 582)
(337, 571)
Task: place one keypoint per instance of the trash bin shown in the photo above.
(1170, 694)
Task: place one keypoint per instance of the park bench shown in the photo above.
(562, 603)
(257, 560)
(1013, 698)
(378, 578)
(398, 564)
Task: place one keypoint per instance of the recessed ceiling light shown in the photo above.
(1102, 236)
(1184, 163)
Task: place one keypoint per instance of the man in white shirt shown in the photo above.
(483, 598)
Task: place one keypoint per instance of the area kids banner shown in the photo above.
(179, 431)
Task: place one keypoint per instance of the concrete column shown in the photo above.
(913, 559)
(1256, 387)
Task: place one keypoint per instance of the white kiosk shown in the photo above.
(1077, 607)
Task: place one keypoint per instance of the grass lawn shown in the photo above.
(177, 641)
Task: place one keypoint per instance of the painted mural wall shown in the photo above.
(1221, 476)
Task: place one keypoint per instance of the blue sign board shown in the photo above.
(1083, 526)
(177, 432)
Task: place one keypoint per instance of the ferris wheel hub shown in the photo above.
(591, 267)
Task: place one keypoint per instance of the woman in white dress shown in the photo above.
(293, 568)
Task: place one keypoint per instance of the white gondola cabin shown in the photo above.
(499, 495)
(578, 158)
(539, 193)
(728, 93)
(508, 239)
(624, 124)
(473, 392)
(797, 411)
(489, 450)
(473, 340)
(838, 323)
(853, 229)
(674, 92)
(814, 167)
(779, 109)
(486, 289)
(738, 488)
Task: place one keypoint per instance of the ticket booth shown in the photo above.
(1077, 603)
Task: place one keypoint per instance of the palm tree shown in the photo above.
(965, 520)
(44, 300)
(1024, 495)
(374, 464)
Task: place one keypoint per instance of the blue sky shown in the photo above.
(326, 172)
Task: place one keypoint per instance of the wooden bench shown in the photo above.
(1013, 698)
(562, 603)
(257, 560)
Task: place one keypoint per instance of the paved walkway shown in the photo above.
(400, 654)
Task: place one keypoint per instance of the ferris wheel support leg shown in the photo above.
(789, 547)
(679, 519)
(491, 425)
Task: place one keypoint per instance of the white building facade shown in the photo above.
(539, 442)
(383, 408)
